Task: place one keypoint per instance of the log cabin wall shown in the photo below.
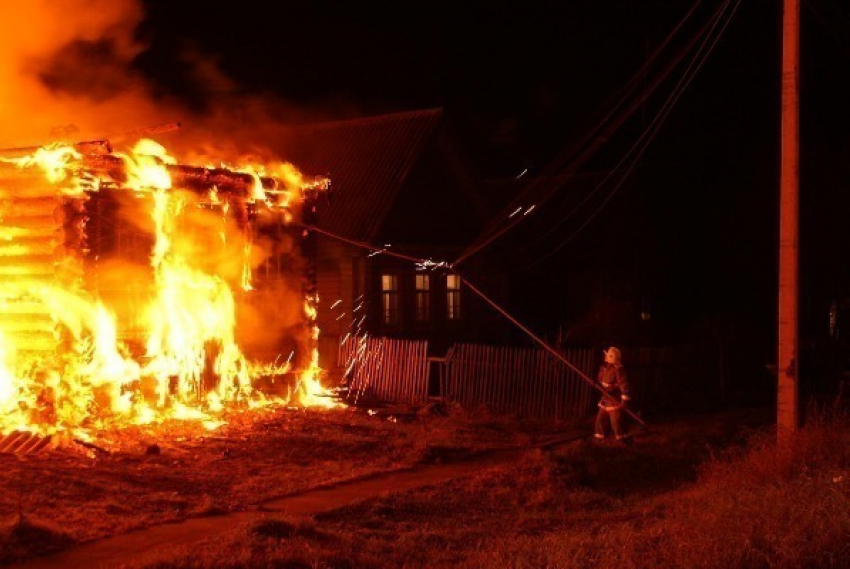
(41, 243)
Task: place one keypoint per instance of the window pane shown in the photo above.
(389, 298)
(452, 297)
(389, 282)
(423, 282)
(423, 297)
(390, 308)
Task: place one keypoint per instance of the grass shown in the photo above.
(710, 491)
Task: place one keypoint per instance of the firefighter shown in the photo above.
(614, 380)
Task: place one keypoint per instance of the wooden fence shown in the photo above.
(385, 369)
(526, 382)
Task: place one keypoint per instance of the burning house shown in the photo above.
(137, 288)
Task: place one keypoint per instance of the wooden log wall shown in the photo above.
(385, 369)
(525, 382)
(39, 231)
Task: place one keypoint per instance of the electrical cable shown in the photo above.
(570, 161)
(376, 250)
(708, 29)
(643, 141)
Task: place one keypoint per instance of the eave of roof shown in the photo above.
(367, 160)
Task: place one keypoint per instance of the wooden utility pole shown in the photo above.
(788, 353)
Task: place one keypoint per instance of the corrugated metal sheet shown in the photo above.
(367, 160)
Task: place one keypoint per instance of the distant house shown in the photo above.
(401, 183)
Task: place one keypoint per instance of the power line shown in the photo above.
(375, 250)
(643, 141)
(575, 156)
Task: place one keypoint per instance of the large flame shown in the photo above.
(143, 339)
(191, 366)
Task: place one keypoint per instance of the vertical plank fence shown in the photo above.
(526, 382)
(385, 369)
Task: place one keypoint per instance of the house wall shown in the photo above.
(434, 213)
(339, 279)
(478, 322)
(350, 303)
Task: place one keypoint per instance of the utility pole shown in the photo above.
(788, 353)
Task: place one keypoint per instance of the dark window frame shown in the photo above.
(453, 299)
(423, 297)
(390, 299)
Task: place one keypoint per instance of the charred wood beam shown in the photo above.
(203, 179)
(195, 178)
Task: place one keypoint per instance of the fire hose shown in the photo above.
(554, 353)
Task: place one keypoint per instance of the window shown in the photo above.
(389, 298)
(423, 298)
(452, 297)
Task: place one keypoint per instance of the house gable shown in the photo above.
(367, 161)
(437, 211)
(402, 180)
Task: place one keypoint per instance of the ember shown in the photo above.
(125, 275)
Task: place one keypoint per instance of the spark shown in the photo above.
(429, 264)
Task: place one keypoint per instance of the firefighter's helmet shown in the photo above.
(613, 355)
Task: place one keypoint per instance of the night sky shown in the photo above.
(694, 223)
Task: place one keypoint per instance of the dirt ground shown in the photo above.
(140, 477)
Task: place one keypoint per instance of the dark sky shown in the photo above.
(697, 217)
(517, 78)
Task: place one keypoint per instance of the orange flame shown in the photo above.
(53, 159)
(146, 166)
(192, 367)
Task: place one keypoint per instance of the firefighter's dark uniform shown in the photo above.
(613, 379)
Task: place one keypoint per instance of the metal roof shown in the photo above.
(367, 160)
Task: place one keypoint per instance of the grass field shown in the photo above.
(700, 491)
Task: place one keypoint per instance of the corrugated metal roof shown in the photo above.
(367, 161)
